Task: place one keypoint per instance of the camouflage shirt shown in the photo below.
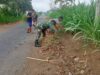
(46, 25)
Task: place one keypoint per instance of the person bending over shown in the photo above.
(58, 22)
(42, 29)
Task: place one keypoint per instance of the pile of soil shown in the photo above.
(71, 57)
(65, 55)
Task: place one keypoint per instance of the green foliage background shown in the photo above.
(80, 20)
(13, 10)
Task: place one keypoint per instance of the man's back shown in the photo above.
(29, 16)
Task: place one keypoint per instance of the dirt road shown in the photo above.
(14, 47)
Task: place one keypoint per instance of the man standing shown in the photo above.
(29, 21)
(34, 18)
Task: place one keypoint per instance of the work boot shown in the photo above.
(37, 44)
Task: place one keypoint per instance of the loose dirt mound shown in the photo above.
(66, 57)
(70, 56)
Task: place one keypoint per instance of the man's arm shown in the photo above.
(28, 16)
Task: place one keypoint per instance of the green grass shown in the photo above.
(9, 19)
(8, 16)
(80, 19)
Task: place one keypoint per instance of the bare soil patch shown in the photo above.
(66, 57)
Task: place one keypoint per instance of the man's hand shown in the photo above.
(48, 31)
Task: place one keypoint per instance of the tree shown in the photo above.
(97, 15)
(17, 6)
(24, 5)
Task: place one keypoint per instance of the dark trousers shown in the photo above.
(38, 36)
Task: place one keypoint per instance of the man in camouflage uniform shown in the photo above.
(42, 28)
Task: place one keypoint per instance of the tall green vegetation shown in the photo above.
(13, 10)
(80, 20)
(97, 15)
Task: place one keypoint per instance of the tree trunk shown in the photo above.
(97, 15)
